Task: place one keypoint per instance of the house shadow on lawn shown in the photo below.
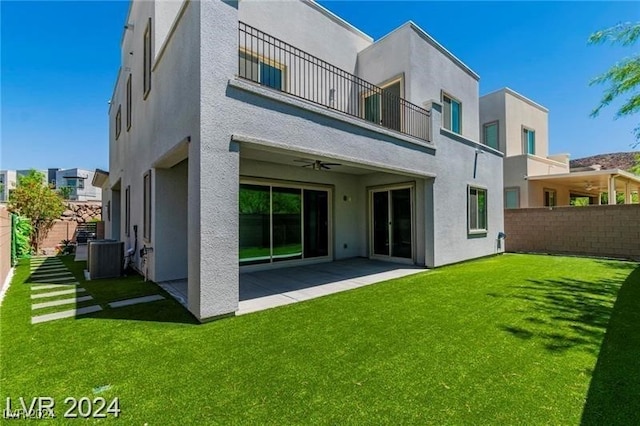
(565, 313)
(614, 392)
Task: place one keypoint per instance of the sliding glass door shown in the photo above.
(279, 223)
(392, 223)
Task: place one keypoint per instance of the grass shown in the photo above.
(515, 339)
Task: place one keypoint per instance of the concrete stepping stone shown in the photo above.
(58, 293)
(135, 301)
(36, 287)
(53, 280)
(60, 302)
(52, 274)
(65, 314)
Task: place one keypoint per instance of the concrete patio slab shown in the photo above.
(277, 287)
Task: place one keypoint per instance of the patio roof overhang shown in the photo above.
(594, 181)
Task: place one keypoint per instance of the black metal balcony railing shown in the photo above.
(273, 63)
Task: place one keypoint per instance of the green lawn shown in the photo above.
(515, 339)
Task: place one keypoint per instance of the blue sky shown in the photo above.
(57, 75)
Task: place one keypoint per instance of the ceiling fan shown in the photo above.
(316, 164)
(588, 186)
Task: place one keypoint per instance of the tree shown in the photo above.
(34, 199)
(65, 192)
(623, 78)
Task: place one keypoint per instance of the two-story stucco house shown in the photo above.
(250, 135)
(519, 128)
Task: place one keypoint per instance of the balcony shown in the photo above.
(271, 62)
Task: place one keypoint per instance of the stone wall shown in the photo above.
(607, 231)
(82, 211)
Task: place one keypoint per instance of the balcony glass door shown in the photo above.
(392, 223)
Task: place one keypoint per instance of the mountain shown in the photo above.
(614, 160)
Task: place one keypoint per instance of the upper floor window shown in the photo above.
(71, 182)
(451, 113)
(529, 141)
(490, 134)
(118, 123)
(261, 70)
(129, 102)
(146, 76)
(477, 214)
(80, 183)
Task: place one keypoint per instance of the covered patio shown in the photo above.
(593, 183)
(267, 289)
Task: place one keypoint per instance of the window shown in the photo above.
(146, 76)
(127, 210)
(529, 141)
(146, 228)
(118, 121)
(512, 198)
(261, 70)
(129, 102)
(550, 198)
(109, 211)
(490, 134)
(477, 203)
(451, 114)
(81, 183)
(71, 182)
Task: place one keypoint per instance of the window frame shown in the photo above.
(517, 190)
(147, 61)
(127, 211)
(485, 126)
(525, 140)
(452, 99)
(118, 122)
(147, 206)
(477, 231)
(129, 102)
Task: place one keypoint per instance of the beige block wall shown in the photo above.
(5, 244)
(607, 231)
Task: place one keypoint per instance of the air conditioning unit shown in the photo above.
(105, 259)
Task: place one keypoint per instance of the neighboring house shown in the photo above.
(268, 134)
(519, 128)
(79, 182)
(8, 180)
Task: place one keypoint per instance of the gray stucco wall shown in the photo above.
(195, 94)
(427, 72)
